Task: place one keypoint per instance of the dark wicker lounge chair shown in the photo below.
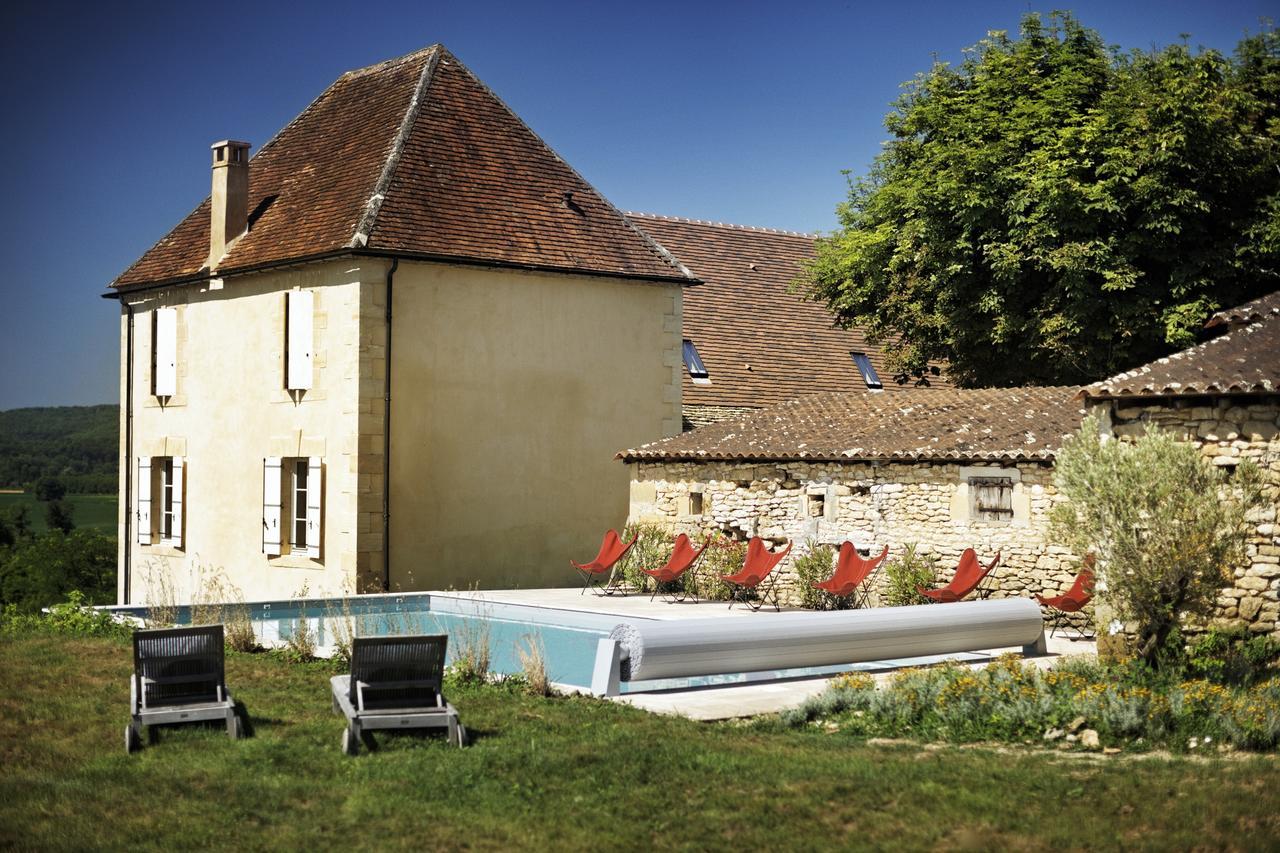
(178, 677)
(612, 549)
(395, 684)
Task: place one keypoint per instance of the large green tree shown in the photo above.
(1054, 210)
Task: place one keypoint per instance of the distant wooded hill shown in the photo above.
(76, 444)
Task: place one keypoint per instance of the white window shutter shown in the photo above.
(144, 500)
(315, 488)
(300, 339)
(166, 352)
(178, 479)
(271, 506)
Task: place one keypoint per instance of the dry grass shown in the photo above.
(533, 665)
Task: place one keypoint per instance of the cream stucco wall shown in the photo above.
(512, 391)
(231, 410)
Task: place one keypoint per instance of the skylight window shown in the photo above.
(868, 372)
(693, 363)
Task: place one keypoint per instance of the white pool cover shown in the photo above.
(678, 648)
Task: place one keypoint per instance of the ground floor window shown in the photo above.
(161, 493)
(292, 506)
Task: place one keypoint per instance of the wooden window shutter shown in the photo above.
(179, 478)
(271, 506)
(300, 340)
(165, 379)
(315, 488)
(992, 498)
(144, 500)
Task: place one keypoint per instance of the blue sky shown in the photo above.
(739, 112)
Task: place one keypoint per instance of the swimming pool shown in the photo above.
(568, 639)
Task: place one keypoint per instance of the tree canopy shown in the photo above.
(1053, 210)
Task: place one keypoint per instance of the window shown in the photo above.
(161, 477)
(695, 503)
(291, 506)
(868, 372)
(693, 363)
(816, 504)
(992, 498)
(164, 352)
(299, 313)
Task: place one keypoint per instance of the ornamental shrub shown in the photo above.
(814, 565)
(904, 575)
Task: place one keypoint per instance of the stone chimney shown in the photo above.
(229, 202)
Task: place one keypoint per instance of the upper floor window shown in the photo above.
(164, 352)
(693, 363)
(299, 339)
(869, 375)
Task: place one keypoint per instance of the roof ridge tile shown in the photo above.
(757, 229)
(367, 222)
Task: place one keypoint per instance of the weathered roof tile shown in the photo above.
(761, 343)
(989, 424)
(414, 157)
(1243, 361)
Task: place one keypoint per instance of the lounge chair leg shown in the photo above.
(351, 739)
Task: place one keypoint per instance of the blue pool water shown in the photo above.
(566, 638)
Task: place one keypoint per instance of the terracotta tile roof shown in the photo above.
(414, 157)
(1243, 361)
(1250, 312)
(761, 343)
(926, 424)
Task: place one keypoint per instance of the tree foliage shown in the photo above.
(1166, 524)
(1054, 210)
(78, 445)
(50, 489)
(38, 571)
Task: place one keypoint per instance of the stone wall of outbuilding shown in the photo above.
(1226, 430)
(872, 504)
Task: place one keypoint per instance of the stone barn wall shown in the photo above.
(872, 504)
(1226, 430)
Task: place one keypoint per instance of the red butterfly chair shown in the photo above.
(969, 575)
(612, 550)
(759, 564)
(682, 559)
(851, 575)
(1060, 607)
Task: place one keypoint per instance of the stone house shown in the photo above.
(1224, 397)
(943, 468)
(395, 349)
(749, 341)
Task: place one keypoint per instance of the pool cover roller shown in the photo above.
(681, 648)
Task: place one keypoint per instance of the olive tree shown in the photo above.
(1166, 524)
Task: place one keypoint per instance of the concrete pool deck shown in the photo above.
(719, 702)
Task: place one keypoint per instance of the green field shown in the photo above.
(96, 512)
(563, 774)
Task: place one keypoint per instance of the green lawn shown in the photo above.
(560, 774)
(97, 512)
